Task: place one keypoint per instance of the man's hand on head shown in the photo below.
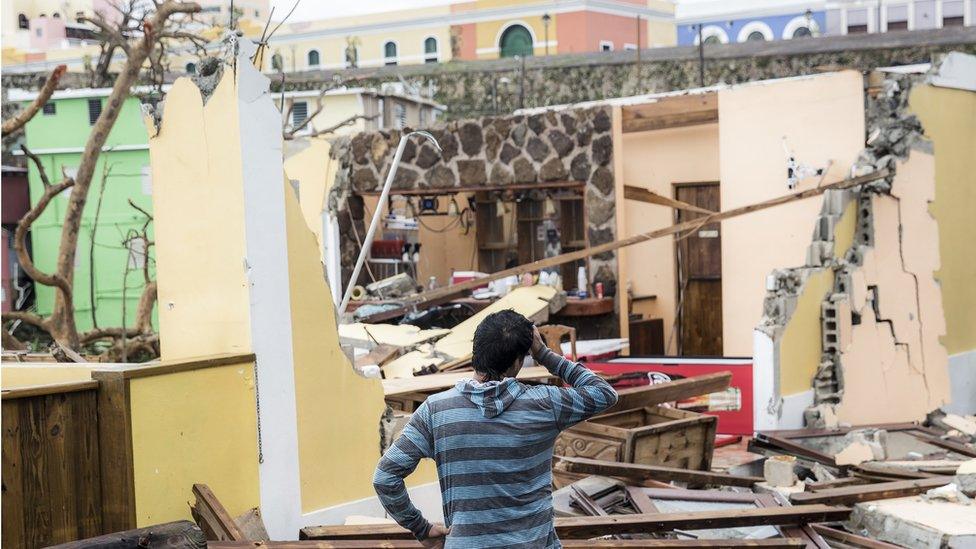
(436, 537)
(538, 345)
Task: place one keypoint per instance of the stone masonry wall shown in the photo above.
(570, 145)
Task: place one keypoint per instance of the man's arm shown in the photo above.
(590, 394)
(401, 458)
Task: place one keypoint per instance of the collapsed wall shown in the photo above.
(880, 307)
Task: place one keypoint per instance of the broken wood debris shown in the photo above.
(777, 543)
(654, 472)
(870, 492)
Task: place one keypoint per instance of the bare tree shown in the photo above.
(138, 36)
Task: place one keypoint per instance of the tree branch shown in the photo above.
(26, 317)
(20, 237)
(37, 163)
(24, 116)
(332, 129)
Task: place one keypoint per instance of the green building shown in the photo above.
(108, 273)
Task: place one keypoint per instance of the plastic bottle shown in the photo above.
(581, 281)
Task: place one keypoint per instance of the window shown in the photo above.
(423, 116)
(857, 29)
(276, 62)
(756, 36)
(94, 110)
(713, 39)
(191, 68)
(313, 58)
(399, 116)
(606, 45)
(956, 21)
(56, 15)
(50, 109)
(299, 112)
(516, 40)
(390, 53)
(257, 14)
(39, 32)
(755, 31)
(711, 34)
(430, 50)
(801, 32)
(897, 25)
(22, 21)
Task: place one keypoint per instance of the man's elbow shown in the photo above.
(383, 482)
(611, 397)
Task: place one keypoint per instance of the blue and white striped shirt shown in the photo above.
(492, 443)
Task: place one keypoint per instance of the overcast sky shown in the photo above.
(321, 9)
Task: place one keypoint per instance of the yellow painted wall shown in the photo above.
(822, 119)
(315, 171)
(203, 297)
(948, 116)
(844, 230)
(14, 375)
(338, 410)
(190, 427)
(801, 344)
(655, 160)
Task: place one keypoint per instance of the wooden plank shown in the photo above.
(587, 527)
(836, 483)
(643, 195)
(84, 452)
(590, 306)
(654, 472)
(692, 118)
(671, 112)
(777, 543)
(176, 366)
(644, 237)
(172, 535)
(439, 382)
(48, 389)
(211, 516)
(650, 395)
(870, 492)
(13, 531)
(115, 451)
(547, 185)
(851, 540)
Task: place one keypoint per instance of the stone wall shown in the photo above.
(571, 145)
(480, 88)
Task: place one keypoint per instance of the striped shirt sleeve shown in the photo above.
(589, 395)
(401, 458)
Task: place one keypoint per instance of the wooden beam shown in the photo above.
(419, 299)
(870, 492)
(654, 472)
(671, 112)
(588, 527)
(548, 185)
(212, 517)
(847, 539)
(643, 195)
(439, 382)
(116, 469)
(650, 395)
(172, 535)
(778, 543)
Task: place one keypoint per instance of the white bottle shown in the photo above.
(581, 280)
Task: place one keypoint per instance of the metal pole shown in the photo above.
(368, 242)
(522, 82)
(701, 58)
(640, 86)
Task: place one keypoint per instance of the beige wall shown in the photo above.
(948, 117)
(655, 160)
(822, 120)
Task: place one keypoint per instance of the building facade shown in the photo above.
(860, 16)
(482, 29)
(718, 22)
(109, 260)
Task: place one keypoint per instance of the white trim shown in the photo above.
(78, 150)
(938, 13)
(967, 12)
(426, 497)
(437, 49)
(266, 266)
(681, 360)
(604, 43)
(309, 52)
(843, 20)
(709, 31)
(19, 94)
(962, 383)
(796, 23)
(395, 58)
(510, 24)
(754, 26)
(766, 403)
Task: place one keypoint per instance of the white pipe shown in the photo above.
(368, 242)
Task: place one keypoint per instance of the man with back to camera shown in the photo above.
(491, 438)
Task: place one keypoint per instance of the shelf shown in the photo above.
(590, 306)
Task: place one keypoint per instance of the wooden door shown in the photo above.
(699, 266)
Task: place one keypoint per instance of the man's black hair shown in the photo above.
(501, 338)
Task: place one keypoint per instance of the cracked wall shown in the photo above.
(861, 322)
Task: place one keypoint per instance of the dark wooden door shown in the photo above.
(699, 265)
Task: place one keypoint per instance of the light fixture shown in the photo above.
(550, 206)
(499, 207)
(452, 208)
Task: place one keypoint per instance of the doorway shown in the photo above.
(698, 259)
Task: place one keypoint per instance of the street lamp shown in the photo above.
(546, 18)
